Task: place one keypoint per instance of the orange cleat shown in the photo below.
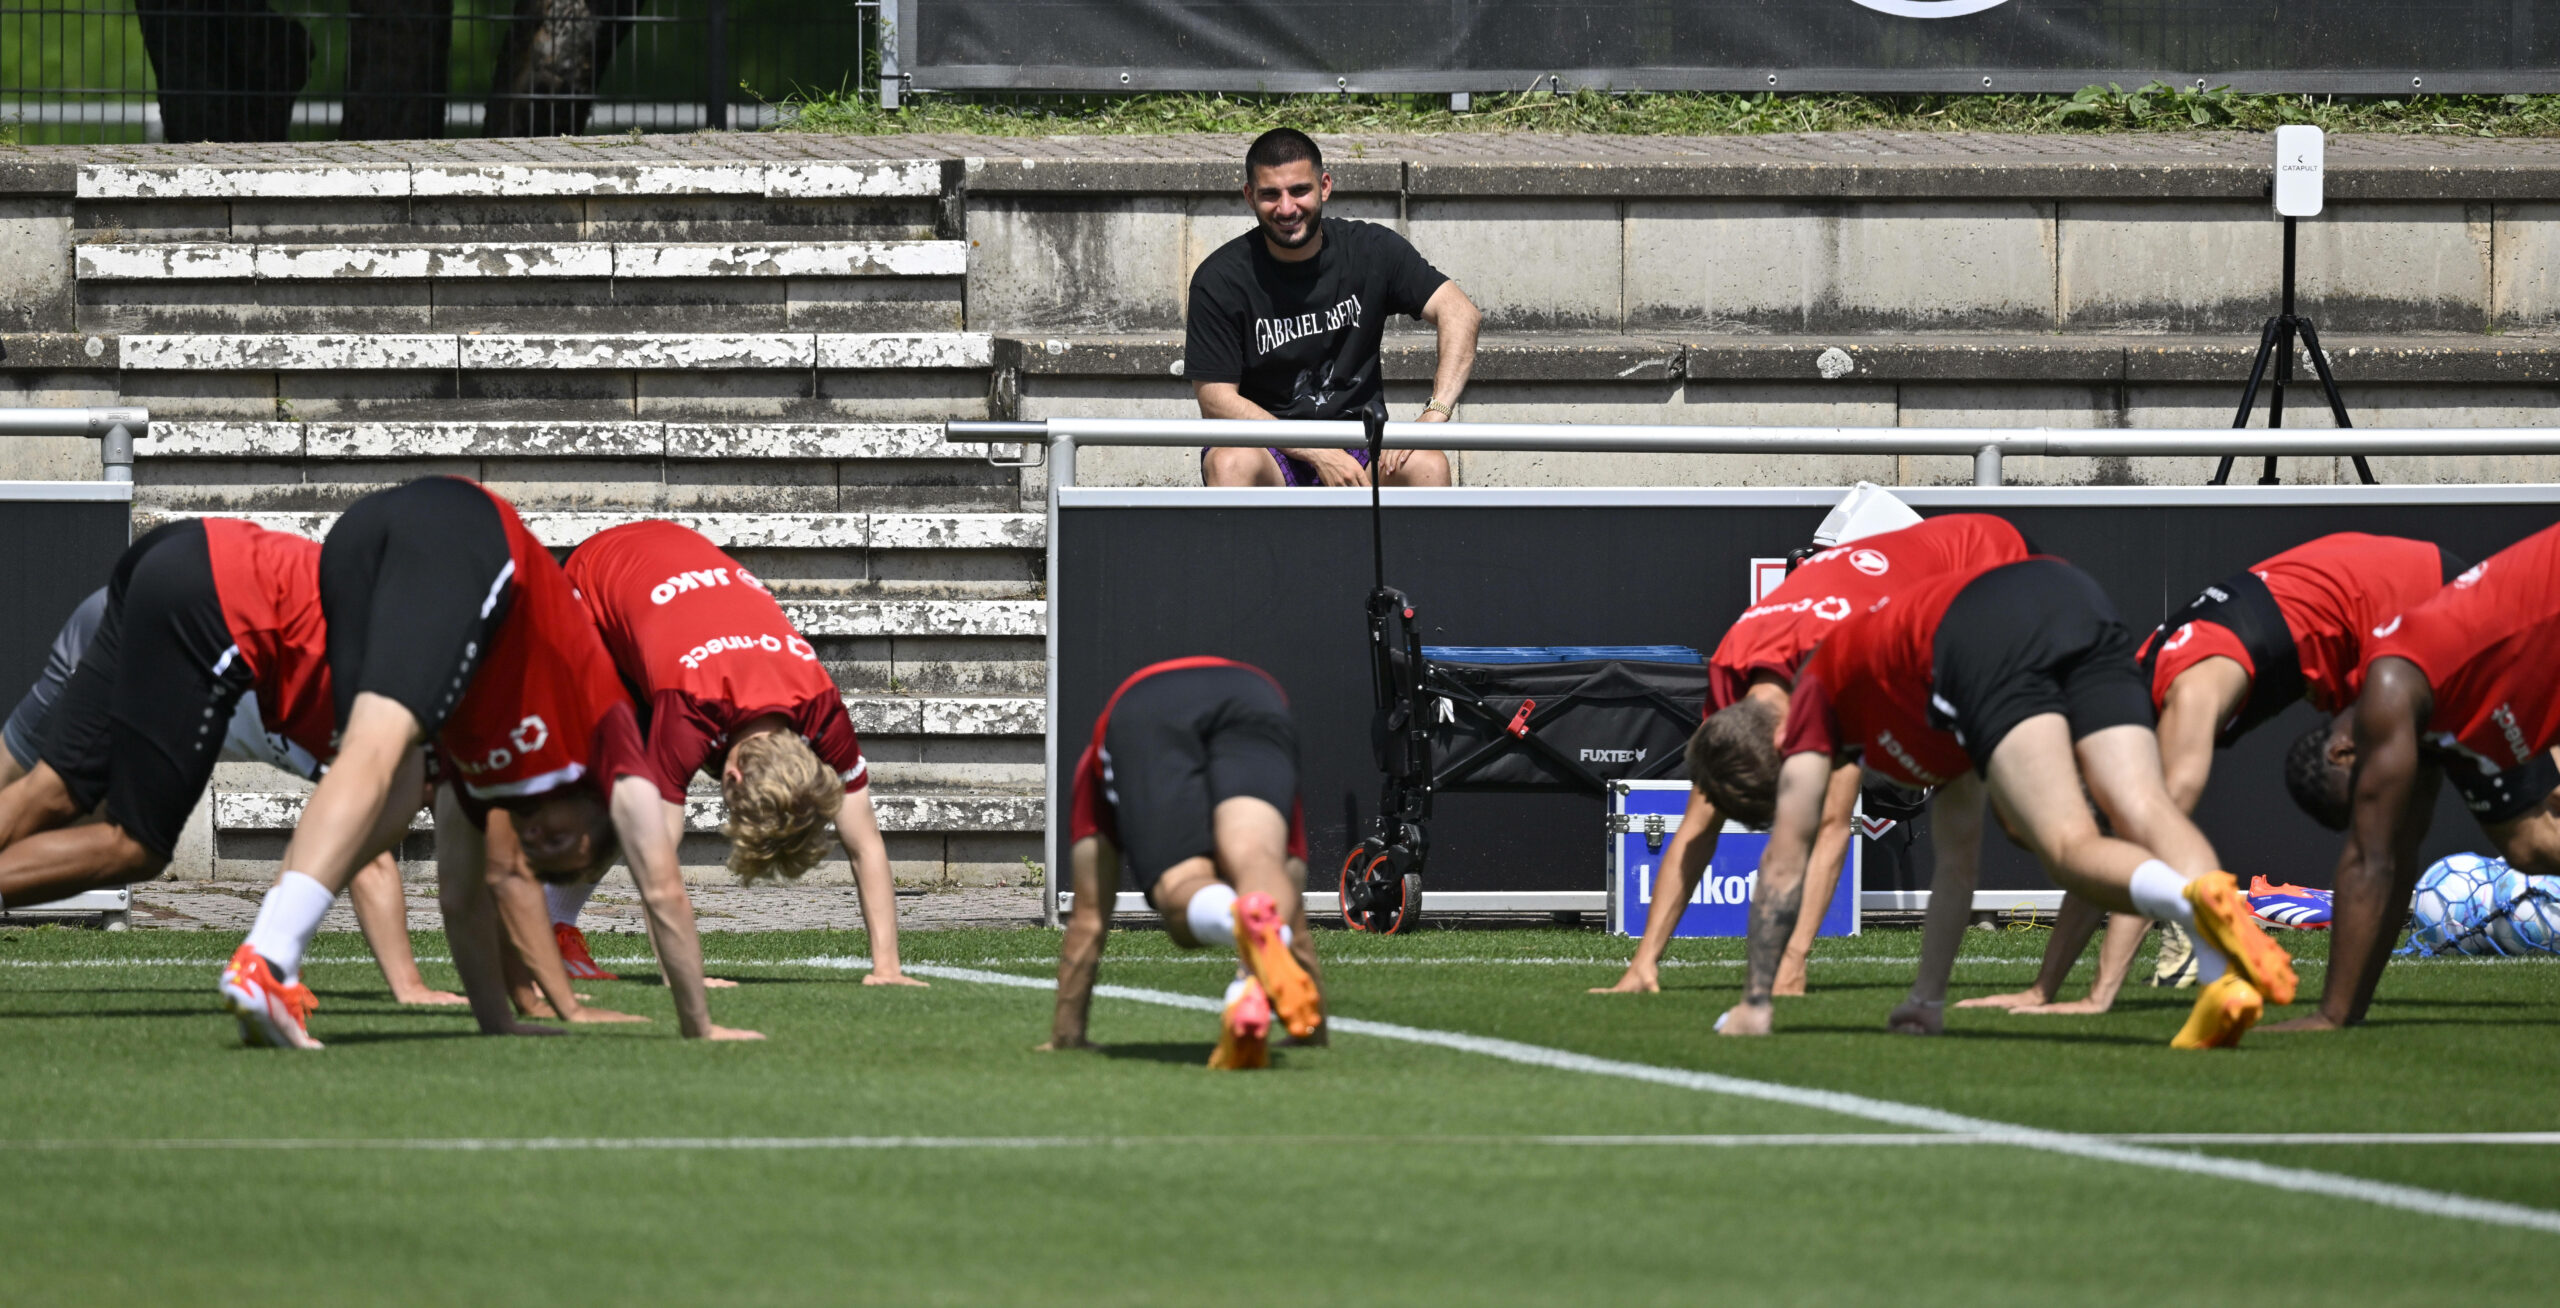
(1244, 1030)
(272, 1012)
(574, 957)
(2224, 919)
(2224, 1012)
(1269, 961)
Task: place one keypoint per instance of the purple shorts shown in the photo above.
(1298, 472)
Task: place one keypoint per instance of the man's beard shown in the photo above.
(1306, 230)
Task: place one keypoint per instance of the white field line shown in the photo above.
(1940, 1123)
(2299, 1180)
(1800, 1140)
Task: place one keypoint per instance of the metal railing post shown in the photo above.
(116, 431)
(1062, 474)
(1986, 466)
(715, 53)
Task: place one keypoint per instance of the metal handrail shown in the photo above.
(116, 430)
(1987, 445)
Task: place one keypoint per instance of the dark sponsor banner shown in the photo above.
(1283, 588)
(2334, 46)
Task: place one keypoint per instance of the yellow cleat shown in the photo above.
(2224, 920)
(1269, 961)
(1244, 1030)
(2224, 1012)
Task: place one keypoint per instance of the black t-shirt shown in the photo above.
(1301, 339)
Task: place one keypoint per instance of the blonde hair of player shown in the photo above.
(779, 803)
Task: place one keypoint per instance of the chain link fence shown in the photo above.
(264, 70)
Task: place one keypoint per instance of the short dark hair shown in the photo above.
(1281, 145)
(1733, 761)
(2318, 786)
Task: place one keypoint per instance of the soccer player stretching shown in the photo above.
(730, 688)
(2292, 627)
(2459, 687)
(1757, 660)
(1193, 771)
(205, 622)
(2014, 684)
(449, 624)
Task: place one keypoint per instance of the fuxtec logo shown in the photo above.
(1929, 8)
(1871, 562)
(1614, 755)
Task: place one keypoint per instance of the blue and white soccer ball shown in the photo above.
(2454, 899)
(2531, 922)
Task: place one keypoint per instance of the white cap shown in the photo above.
(1867, 510)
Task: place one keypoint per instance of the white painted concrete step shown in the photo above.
(782, 531)
(535, 440)
(391, 261)
(934, 812)
(946, 715)
(553, 351)
(863, 179)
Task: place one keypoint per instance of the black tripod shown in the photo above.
(2277, 339)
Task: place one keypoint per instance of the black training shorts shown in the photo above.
(1181, 742)
(142, 719)
(2036, 636)
(414, 582)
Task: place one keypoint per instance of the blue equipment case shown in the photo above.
(1642, 817)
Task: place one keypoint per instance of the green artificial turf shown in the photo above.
(1371, 1171)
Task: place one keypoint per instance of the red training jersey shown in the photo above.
(1776, 634)
(1865, 693)
(2484, 643)
(2331, 591)
(704, 646)
(544, 710)
(268, 584)
(1093, 811)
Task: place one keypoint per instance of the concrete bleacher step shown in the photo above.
(359, 351)
(973, 836)
(737, 531)
(205, 261)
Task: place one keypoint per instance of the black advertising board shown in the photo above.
(1279, 579)
(60, 540)
(2321, 46)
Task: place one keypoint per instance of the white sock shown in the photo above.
(567, 901)
(1212, 914)
(2160, 894)
(287, 919)
(1235, 988)
(1287, 937)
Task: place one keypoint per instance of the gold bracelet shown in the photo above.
(1445, 411)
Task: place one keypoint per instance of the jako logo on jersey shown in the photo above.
(1893, 749)
(2464, 581)
(1871, 562)
(2185, 634)
(2387, 628)
(1613, 755)
(695, 579)
(769, 643)
(531, 734)
(1831, 609)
